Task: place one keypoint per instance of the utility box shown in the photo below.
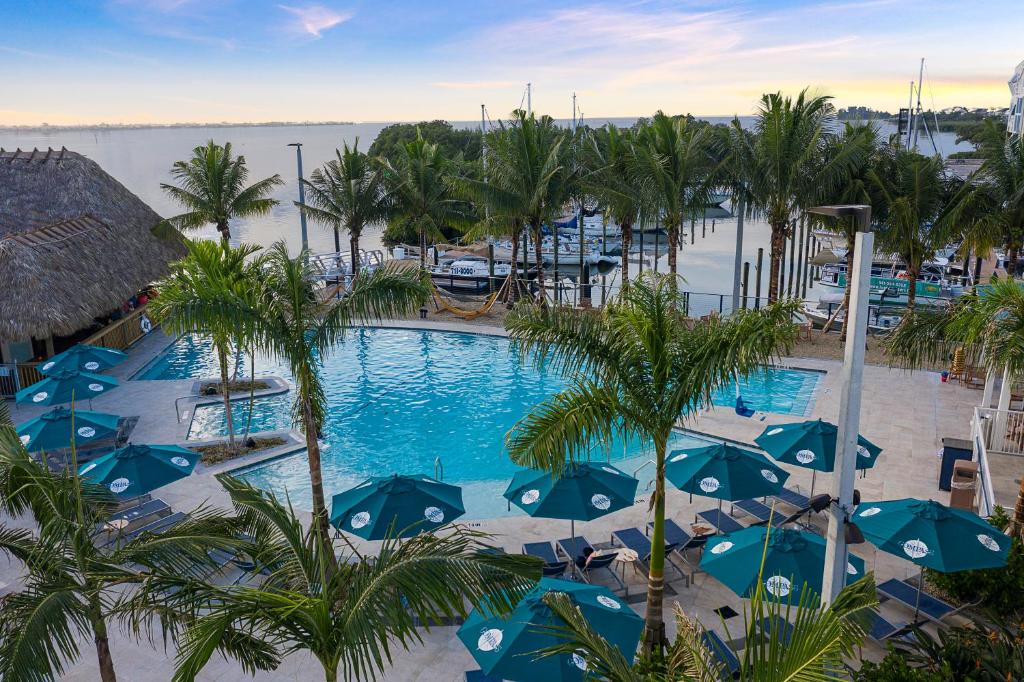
(953, 450)
(963, 485)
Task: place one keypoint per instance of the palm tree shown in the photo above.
(421, 183)
(992, 204)
(196, 297)
(820, 640)
(615, 181)
(913, 195)
(673, 156)
(527, 178)
(211, 187)
(350, 619)
(990, 330)
(347, 193)
(778, 168)
(72, 586)
(635, 368)
(295, 324)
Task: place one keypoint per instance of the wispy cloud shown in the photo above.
(474, 85)
(26, 53)
(313, 20)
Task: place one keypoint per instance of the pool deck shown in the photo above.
(905, 414)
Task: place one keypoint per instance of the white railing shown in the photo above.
(1003, 430)
(985, 496)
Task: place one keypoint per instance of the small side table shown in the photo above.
(626, 557)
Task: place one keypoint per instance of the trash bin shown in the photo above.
(963, 485)
(953, 450)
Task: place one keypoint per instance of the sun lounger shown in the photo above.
(879, 629)
(542, 550)
(793, 499)
(573, 547)
(931, 607)
(480, 676)
(632, 538)
(682, 540)
(141, 511)
(761, 512)
(771, 623)
(600, 562)
(158, 526)
(720, 520)
(725, 656)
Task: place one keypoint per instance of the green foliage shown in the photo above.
(974, 653)
(998, 589)
(451, 140)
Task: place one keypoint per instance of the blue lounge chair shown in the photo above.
(602, 562)
(742, 409)
(542, 550)
(793, 499)
(725, 656)
(158, 526)
(931, 607)
(720, 520)
(632, 538)
(769, 624)
(480, 676)
(679, 538)
(880, 629)
(761, 512)
(573, 547)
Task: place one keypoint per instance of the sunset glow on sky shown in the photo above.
(159, 61)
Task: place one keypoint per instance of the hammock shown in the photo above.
(466, 313)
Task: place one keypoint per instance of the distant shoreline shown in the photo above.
(162, 126)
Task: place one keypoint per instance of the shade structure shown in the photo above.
(584, 491)
(53, 430)
(65, 385)
(138, 469)
(812, 445)
(401, 506)
(724, 472)
(83, 358)
(505, 647)
(933, 535)
(792, 559)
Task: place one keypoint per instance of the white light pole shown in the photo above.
(302, 200)
(845, 474)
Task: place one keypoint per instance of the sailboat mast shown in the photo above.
(910, 113)
(529, 98)
(574, 112)
(917, 116)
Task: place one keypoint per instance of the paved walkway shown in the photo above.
(906, 414)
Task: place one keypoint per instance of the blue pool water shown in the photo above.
(400, 399)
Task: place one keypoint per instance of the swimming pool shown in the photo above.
(400, 400)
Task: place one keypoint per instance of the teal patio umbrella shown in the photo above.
(792, 559)
(52, 430)
(60, 387)
(585, 491)
(409, 504)
(138, 469)
(933, 535)
(83, 358)
(812, 445)
(506, 646)
(724, 472)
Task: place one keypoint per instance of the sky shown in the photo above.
(162, 61)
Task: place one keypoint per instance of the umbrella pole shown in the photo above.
(814, 475)
(572, 534)
(920, 586)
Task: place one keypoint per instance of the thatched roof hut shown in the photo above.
(74, 244)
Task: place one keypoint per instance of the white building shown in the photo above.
(1015, 116)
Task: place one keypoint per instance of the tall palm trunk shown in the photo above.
(252, 394)
(225, 231)
(627, 242)
(673, 230)
(775, 259)
(1016, 529)
(222, 358)
(99, 630)
(1011, 260)
(423, 248)
(911, 288)
(337, 240)
(511, 294)
(353, 247)
(654, 623)
(541, 292)
(316, 479)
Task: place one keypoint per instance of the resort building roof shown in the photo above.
(74, 243)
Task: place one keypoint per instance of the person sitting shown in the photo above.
(583, 560)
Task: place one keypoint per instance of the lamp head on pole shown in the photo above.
(861, 211)
(294, 144)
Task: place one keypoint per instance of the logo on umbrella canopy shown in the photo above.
(769, 476)
(778, 586)
(88, 467)
(915, 549)
(601, 501)
(988, 542)
(40, 397)
(489, 640)
(361, 519)
(530, 496)
(119, 485)
(863, 451)
(805, 456)
(870, 511)
(709, 484)
(180, 461)
(86, 432)
(91, 365)
(96, 388)
(851, 569)
(578, 661)
(610, 470)
(777, 430)
(48, 365)
(680, 457)
(608, 602)
(721, 547)
(433, 514)
(25, 439)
